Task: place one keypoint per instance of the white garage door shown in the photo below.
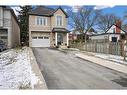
(41, 41)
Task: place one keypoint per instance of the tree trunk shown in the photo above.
(82, 38)
(85, 37)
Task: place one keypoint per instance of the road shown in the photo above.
(63, 70)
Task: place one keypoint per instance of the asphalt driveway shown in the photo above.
(63, 70)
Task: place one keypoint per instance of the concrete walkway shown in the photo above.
(102, 62)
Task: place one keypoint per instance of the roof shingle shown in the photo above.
(42, 11)
(45, 11)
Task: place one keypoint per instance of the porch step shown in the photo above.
(63, 47)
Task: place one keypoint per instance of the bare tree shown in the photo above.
(83, 20)
(105, 21)
(124, 26)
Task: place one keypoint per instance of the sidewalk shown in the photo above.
(103, 60)
(114, 58)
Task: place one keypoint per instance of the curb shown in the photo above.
(35, 68)
(105, 63)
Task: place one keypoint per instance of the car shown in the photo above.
(2, 46)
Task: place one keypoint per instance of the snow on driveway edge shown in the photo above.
(35, 70)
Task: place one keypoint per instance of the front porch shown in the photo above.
(60, 37)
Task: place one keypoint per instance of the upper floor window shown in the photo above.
(114, 30)
(1, 12)
(59, 21)
(41, 21)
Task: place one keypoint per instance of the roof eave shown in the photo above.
(40, 15)
(67, 31)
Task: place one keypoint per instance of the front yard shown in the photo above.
(15, 70)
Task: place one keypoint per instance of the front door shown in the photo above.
(59, 39)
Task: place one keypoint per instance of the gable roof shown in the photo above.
(117, 27)
(108, 30)
(45, 11)
(62, 11)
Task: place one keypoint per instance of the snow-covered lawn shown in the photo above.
(115, 58)
(15, 70)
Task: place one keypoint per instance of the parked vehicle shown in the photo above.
(2, 46)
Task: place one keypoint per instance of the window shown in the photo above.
(114, 30)
(34, 37)
(114, 39)
(38, 22)
(41, 21)
(46, 37)
(40, 37)
(59, 21)
(3, 37)
(1, 12)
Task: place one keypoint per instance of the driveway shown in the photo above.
(63, 70)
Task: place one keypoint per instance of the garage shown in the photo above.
(4, 35)
(40, 40)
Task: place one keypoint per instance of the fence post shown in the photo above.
(109, 47)
(122, 48)
(125, 49)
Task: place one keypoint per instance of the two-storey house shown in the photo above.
(47, 27)
(9, 27)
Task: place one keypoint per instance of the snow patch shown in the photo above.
(115, 58)
(15, 70)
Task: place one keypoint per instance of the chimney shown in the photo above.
(118, 29)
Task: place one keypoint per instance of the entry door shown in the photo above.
(59, 39)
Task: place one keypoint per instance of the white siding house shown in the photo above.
(113, 34)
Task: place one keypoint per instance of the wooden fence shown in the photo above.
(115, 48)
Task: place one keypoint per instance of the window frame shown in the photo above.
(40, 37)
(114, 39)
(34, 37)
(45, 37)
(4, 37)
(41, 21)
(59, 22)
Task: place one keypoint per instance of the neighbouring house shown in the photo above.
(48, 27)
(72, 36)
(9, 27)
(76, 35)
(114, 34)
(91, 31)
